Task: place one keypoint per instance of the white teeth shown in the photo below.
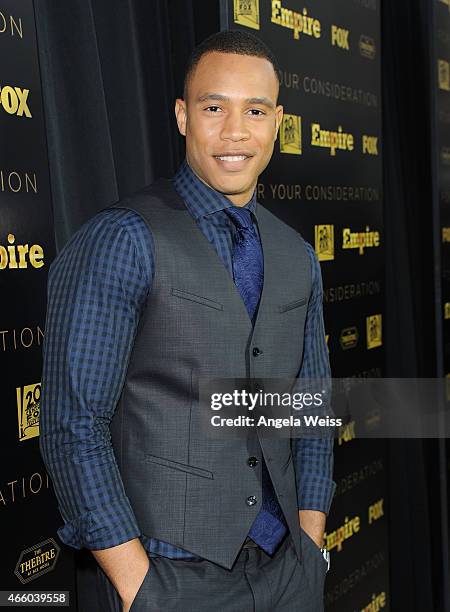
(232, 157)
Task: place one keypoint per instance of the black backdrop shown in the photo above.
(111, 71)
(410, 346)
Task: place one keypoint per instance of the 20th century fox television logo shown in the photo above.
(291, 134)
(246, 13)
(28, 410)
(324, 242)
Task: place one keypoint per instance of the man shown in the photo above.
(190, 278)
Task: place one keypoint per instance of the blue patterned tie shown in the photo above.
(269, 527)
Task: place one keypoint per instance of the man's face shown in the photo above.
(230, 120)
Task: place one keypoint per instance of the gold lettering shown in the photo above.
(300, 23)
(276, 9)
(12, 23)
(331, 140)
(360, 240)
(370, 145)
(336, 538)
(36, 256)
(8, 256)
(12, 252)
(376, 511)
(14, 100)
(347, 433)
(377, 603)
(9, 100)
(339, 37)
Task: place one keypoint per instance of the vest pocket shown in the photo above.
(183, 467)
(196, 298)
(291, 305)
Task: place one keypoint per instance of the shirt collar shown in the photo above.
(200, 199)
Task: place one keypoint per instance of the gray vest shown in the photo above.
(186, 488)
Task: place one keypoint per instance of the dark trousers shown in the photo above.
(255, 583)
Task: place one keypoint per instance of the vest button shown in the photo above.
(252, 461)
(251, 500)
(256, 351)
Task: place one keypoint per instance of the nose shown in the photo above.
(234, 127)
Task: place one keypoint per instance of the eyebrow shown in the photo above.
(221, 98)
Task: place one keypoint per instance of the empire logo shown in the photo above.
(336, 538)
(300, 23)
(324, 242)
(37, 560)
(447, 310)
(339, 38)
(291, 135)
(14, 101)
(331, 140)
(370, 145)
(373, 331)
(20, 255)
(360, 240)
(246, 13)
(367, 47)
(446, 234)
(444, 75)
(348, 338)
(28, 410)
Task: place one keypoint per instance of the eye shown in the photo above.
(212, 107)
(256, 110)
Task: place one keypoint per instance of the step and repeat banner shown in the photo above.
(441, 173)
(325, 180)
(32, 558)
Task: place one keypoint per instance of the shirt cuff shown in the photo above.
(316, 493)
(100, 528)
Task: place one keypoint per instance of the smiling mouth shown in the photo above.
(231, 158)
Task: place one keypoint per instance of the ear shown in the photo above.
(278, 119)
(181, 115)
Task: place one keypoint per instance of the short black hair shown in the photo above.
(230, 41)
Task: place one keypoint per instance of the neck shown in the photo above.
(238, 199)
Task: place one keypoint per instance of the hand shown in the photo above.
(318, 541)
(127, 600)
(126, 566)
(313, 522)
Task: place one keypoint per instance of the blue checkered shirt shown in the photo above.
(97, 289)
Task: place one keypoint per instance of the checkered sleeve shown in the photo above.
(97, 286)
(314, 456)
